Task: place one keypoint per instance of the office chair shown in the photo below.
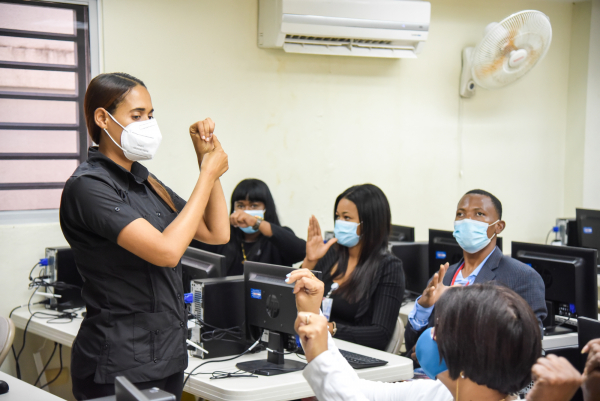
(397, 338)
(7, 335)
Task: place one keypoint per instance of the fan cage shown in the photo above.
(529, 30)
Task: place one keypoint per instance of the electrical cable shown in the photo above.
(17, 356)
(563, 322)
(548, 235)
(32, 269)
(218, 360)
(218, 333)
(46, 365)
(59, 371)
(52, 319)
(217, 374)
(36, 283)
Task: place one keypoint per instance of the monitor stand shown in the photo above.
(557, 330)
(275, 364)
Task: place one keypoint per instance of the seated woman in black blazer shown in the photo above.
(256, 234)
(371, 280)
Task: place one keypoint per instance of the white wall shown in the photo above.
(591, 179)
(576, 109)
(310, 126)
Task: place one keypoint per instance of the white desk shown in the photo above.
(18, 390)
(288, 386)
(548, 342)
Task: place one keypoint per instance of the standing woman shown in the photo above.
(128, 232)
(256, 233)
(370, 280)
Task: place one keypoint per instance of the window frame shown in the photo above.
(89, 53)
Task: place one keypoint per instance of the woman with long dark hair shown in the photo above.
(364, 282)
(256, 233)
(128, 232)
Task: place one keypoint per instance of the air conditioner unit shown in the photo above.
(365, 28)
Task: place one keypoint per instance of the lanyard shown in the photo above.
(456, 275)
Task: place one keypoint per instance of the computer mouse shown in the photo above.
(3, 387)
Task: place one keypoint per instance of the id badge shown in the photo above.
(327, 304)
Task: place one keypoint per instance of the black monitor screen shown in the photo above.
(402, 234)
(569, 275)
(198, 264)
(588, 228)
(414, 263)
(443, 248)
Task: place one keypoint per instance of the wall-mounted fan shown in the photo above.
(508, 51)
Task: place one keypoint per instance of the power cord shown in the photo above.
(218, 360)
(59, 371)
(47, 363)
(218, 333)
(217, 374)
(53, 318)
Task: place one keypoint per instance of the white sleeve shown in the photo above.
(332, 379)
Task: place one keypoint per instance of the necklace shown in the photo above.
(462, 374)
(243, 253)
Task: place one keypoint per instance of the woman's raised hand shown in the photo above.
(591, 373)
(555, 379)
(308, 289)
(240, 218)
(215, 163)
(315, 247)
(201, 133)
(312, 330)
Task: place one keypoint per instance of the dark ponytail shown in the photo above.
(107, 91)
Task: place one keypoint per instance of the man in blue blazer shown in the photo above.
(476, 227)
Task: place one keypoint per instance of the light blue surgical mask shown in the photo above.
(471, 235)
(428, 355)
(255, 213)
(345, 232)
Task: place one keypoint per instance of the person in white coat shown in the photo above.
(485, 346)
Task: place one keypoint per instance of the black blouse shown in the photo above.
(375, 316)
(136, 324)
(282, 248)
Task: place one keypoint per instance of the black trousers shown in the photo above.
(86, 389)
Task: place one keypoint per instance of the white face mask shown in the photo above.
(139, 140)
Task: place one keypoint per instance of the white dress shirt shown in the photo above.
(333, 379)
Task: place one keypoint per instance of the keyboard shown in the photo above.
(358, 361)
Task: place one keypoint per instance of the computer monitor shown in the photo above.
(415, 264)
(588, 330)
(588, 228)
(569, 275)
(127, 391)
(443, 248)
(198, 264)
(402, 234)
(271, 309)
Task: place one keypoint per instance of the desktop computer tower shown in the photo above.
(219, 302)
(62, 268)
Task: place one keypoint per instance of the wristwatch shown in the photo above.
(258, 221)
(334, 330)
